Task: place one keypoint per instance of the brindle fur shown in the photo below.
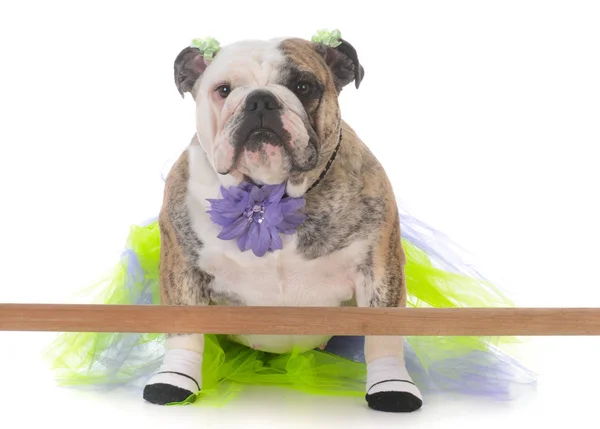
(181, 282)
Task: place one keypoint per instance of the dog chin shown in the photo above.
(267, 165)
(264, 178)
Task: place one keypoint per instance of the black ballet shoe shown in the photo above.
(162, 394)
(394, 402)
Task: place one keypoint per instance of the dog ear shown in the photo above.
(189, 66)
(343, 63)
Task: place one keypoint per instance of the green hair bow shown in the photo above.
(329, 38)
(207, 46)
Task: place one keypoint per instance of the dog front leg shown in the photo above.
(389, 385)
(180, 374)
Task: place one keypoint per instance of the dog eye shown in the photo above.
(303, 88)
(223, 90)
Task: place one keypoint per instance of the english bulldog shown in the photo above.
(268, 117)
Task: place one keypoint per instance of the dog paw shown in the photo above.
(169, 387)
(394, 402)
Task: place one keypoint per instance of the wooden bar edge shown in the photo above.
(300, 320)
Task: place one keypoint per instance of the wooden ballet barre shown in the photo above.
(300, 320)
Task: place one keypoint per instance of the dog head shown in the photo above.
(267, 112)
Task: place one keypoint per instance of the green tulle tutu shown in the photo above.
(435, 278)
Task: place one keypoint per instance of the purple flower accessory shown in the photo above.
(255, 216)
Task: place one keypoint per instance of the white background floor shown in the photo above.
(566, 395)
(484, 114)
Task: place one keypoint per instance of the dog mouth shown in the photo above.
(262, 135)
(258, 142)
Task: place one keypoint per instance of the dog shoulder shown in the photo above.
(352, 203)
(383, 265)
(174, 218)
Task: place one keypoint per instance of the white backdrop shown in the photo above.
(486, 116)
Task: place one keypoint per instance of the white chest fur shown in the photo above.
(281, 278)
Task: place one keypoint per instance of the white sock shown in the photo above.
(181, 368)
(389, 374)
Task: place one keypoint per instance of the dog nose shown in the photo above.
(261, 101)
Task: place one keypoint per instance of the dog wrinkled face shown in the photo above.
(251, 117)
(262, 106)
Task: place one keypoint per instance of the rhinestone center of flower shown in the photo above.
(255, 213)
